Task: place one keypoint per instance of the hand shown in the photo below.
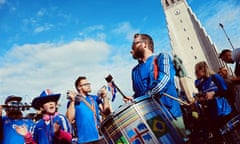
(128, 98)
(56, 127)
(22, 130)
(210, 95)
(192, 100)
(71, 95)
(102, 92)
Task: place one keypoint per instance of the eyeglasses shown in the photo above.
(85, 84)
(137, 42)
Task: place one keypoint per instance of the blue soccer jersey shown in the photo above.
(86, 122)
(144, 81)
(10, 136)
(44, 132)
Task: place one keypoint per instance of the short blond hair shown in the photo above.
(202, 65)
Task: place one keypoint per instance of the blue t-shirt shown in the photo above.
(87, 124)
(10, 136)
(143, 81)
(43, 131)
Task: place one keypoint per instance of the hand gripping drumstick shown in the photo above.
(109, 79)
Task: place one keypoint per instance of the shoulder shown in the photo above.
(39, 123)
(163, 56)
(28, 121)
(61, 116)
(197, 81)
(94, 97)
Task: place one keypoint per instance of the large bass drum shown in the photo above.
(140, 122)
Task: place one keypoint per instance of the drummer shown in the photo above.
(83, 108)
(154, 75)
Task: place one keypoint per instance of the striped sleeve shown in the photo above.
(65, 123)
(160, 84)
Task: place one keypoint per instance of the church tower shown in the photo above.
(188, 38)
(189, 42)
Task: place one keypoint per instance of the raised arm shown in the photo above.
(70, 114)
(105, 106)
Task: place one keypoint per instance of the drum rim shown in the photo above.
(226, 128)
(124, 107)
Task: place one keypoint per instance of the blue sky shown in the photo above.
(48, 44)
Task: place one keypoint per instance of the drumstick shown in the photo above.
(177, 99)
(109, 79)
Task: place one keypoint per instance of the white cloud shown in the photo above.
(126, 29)
(46, 27)
(28, 69)
(94, 28)
(94, 31)
(41, 12)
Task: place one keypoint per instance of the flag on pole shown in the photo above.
(112, 89)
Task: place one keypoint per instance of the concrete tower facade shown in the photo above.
(189, 40)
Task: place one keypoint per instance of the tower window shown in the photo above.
(195, 57)
(192, 47)
(188, 38)
(180, 21)
(184, 29)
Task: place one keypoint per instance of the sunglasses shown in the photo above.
(85, 84)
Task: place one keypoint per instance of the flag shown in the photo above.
(139, 134)
(112, 89)
(158, 126)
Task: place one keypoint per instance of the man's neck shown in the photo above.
(84, 95)
(146, 56)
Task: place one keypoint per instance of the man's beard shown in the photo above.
(138, 54)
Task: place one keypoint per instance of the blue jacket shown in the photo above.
(44, 132)
(144, 83)
(218, 105)
(10, 136)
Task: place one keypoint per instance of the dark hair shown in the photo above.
(78, 80)
(224, 52)
(146, 37)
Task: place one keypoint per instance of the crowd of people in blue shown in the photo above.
(201, 121)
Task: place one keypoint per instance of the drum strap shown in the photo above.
(89, 105)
